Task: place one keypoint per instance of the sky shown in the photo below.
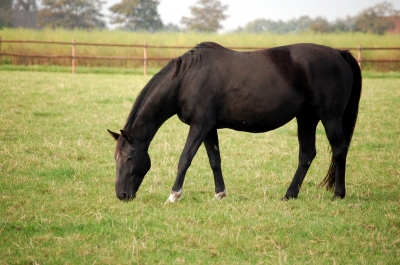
(241, 12)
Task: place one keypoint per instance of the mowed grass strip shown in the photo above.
(57, 201)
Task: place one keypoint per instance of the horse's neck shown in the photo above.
(153, 112)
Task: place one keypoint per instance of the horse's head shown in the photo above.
(132, 161)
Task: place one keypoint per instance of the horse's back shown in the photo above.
(262, 90)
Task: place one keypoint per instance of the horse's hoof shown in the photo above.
(289, 197)
(174, 196)
(220, 195)
(337, 197)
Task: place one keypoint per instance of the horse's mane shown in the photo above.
(142, 95)
(181, 64)
(184, 62)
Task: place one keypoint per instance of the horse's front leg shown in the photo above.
(212, 147)
(197, 133)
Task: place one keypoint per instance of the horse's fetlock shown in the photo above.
(174, 196)
(220, 195)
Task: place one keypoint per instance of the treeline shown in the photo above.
(377, 19)
(206, 16)
(131, 15)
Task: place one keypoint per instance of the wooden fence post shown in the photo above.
(145, 61)
(359, 56)
(73, 56)
(0, 53)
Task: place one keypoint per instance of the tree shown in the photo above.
(25, 5)
(266, 25)
(25, 13)
(137, 15)
(71, 14)
(6, 13)
(262, 25)
(320, 25)
(206, 16)
(343, 25)
(296, 25)
(374, 19)
(170, 27)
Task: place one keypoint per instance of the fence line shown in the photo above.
(146, 58)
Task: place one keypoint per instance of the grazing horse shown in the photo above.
(211, 87)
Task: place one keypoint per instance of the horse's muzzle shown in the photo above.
(123, 196)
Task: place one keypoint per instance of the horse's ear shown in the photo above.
(126, 136)
(129, 137)
(113, 134)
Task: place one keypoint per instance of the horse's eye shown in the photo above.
(129, 158)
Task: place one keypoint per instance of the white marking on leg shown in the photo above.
(220, 195)
(174, 196)
(216, 147)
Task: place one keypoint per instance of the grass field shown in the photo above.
(338, 40)
(58, 206)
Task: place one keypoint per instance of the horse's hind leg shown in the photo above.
(336, 175)
(307, 122)
(212, 147)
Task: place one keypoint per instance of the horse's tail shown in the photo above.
(349, 116)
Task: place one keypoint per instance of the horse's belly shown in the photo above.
(259, 114)
(257, 122)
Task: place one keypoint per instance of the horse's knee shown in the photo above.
(306, 158)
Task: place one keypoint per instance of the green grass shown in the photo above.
(81, 70)
(136, 71)
(57, 201)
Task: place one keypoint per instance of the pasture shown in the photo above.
(58, 204)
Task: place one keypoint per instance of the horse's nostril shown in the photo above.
(122, 196)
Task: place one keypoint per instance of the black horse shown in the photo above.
(211, 87)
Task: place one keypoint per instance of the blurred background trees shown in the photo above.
(136, 15)
(25, 13)
(205, 16)
(266, 25)
(71, 14)
(376, 19)
(6, 13)
(25, 5)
